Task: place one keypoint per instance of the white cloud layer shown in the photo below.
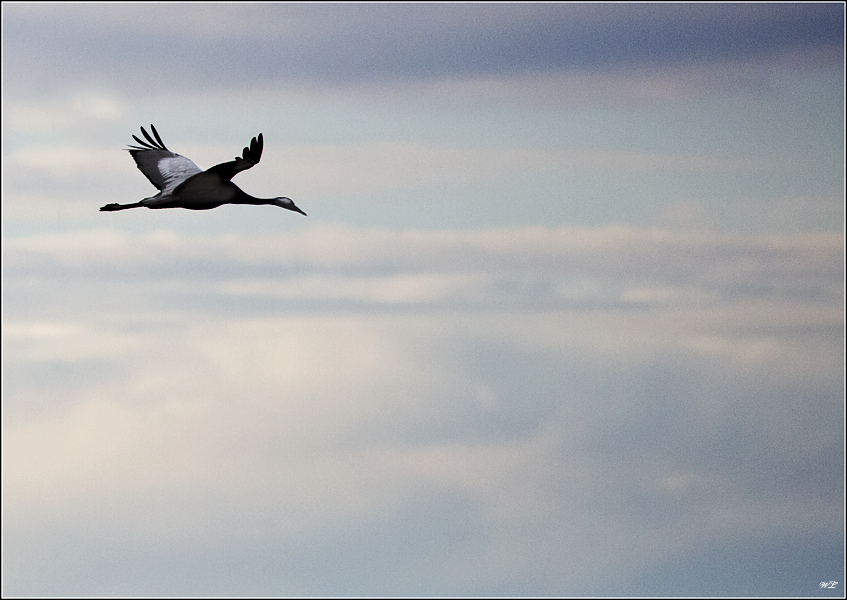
(532, 264)
(437, 413)
(566, 317)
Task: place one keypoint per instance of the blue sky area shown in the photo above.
(566, 316)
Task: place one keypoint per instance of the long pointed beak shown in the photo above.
(288, 204)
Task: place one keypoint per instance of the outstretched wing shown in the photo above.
(249, 157)
(164, 169)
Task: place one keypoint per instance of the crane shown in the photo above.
(182, 184)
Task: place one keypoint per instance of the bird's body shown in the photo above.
(182, 184)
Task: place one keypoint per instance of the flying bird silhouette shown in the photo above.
(182, 184)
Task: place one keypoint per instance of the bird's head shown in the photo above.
(287, 203)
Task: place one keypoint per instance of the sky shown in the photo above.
(566, 316)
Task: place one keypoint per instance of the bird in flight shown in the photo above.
(182, 184)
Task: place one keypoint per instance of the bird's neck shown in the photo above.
(244, 198)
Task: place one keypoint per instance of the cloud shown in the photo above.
(65, 164)
(48, 117)
(70, 180)
(336, 44)
(489, 448)
(235, 403)
(365, 170)
(343, 411)
(531, 266)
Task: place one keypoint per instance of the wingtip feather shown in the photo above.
(158, 139)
